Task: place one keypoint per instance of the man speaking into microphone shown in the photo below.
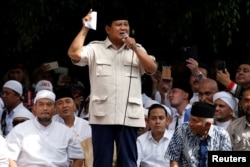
(115, 68)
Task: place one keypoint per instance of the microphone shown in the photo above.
(125, 35)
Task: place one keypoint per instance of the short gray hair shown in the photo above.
(210, 120)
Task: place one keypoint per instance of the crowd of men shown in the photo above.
(136, 114)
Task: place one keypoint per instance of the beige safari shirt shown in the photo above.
(239, 131)
(115, 97)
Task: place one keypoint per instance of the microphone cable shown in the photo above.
(129, 86)
(126, 107)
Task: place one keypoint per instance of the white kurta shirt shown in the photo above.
(4, 161)
(31, 144)
(81, 127)
(150, 152)
(10, 116)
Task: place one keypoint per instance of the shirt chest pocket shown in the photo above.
(240, 141)
(237, 139)
(132, 66)
(103, 67)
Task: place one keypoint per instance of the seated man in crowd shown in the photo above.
(179, 97)
(242, 80)
(152, 144)
(192, 140)
(207, 88)
(12, 92)
(42, 141)
(65, 108)
(225, 108)
(239, 129)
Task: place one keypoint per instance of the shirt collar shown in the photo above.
(188, 106)
(61, 120)
(20, 105)
(210, 133)
(108, 43)
(245, 123)
(165, 135)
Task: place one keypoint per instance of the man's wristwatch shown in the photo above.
(199, 75)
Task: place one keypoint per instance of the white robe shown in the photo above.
(31, 144)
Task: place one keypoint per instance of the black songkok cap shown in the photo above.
(203, 110)
(183, 85)
(115, 13)
(63, 92)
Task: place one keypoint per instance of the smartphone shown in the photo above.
(51, 65)
(222, 66)
(189, 52)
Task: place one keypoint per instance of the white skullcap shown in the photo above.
(150, 103)
(44, 85)
(14, 85)
(227, 98)
(45, 94)
(23, 113)
(168, 110)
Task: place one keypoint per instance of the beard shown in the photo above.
(44, 120)
(247, 111)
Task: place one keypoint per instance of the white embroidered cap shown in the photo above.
(23, 113)
(44, 85)
(45, 94)
(227, 98)
(150, 103)
(14, 85)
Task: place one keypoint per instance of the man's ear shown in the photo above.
(208, 124)
(186, 95)
(107, 29)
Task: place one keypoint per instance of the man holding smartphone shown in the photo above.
(242, 81)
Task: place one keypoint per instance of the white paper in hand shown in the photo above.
(92, 23)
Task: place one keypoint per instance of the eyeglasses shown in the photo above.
(15, 122)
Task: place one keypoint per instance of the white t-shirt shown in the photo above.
(224, 125)
(32, 144)
(150, 152)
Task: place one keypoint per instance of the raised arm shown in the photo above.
(74, 51)
(147, 62)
